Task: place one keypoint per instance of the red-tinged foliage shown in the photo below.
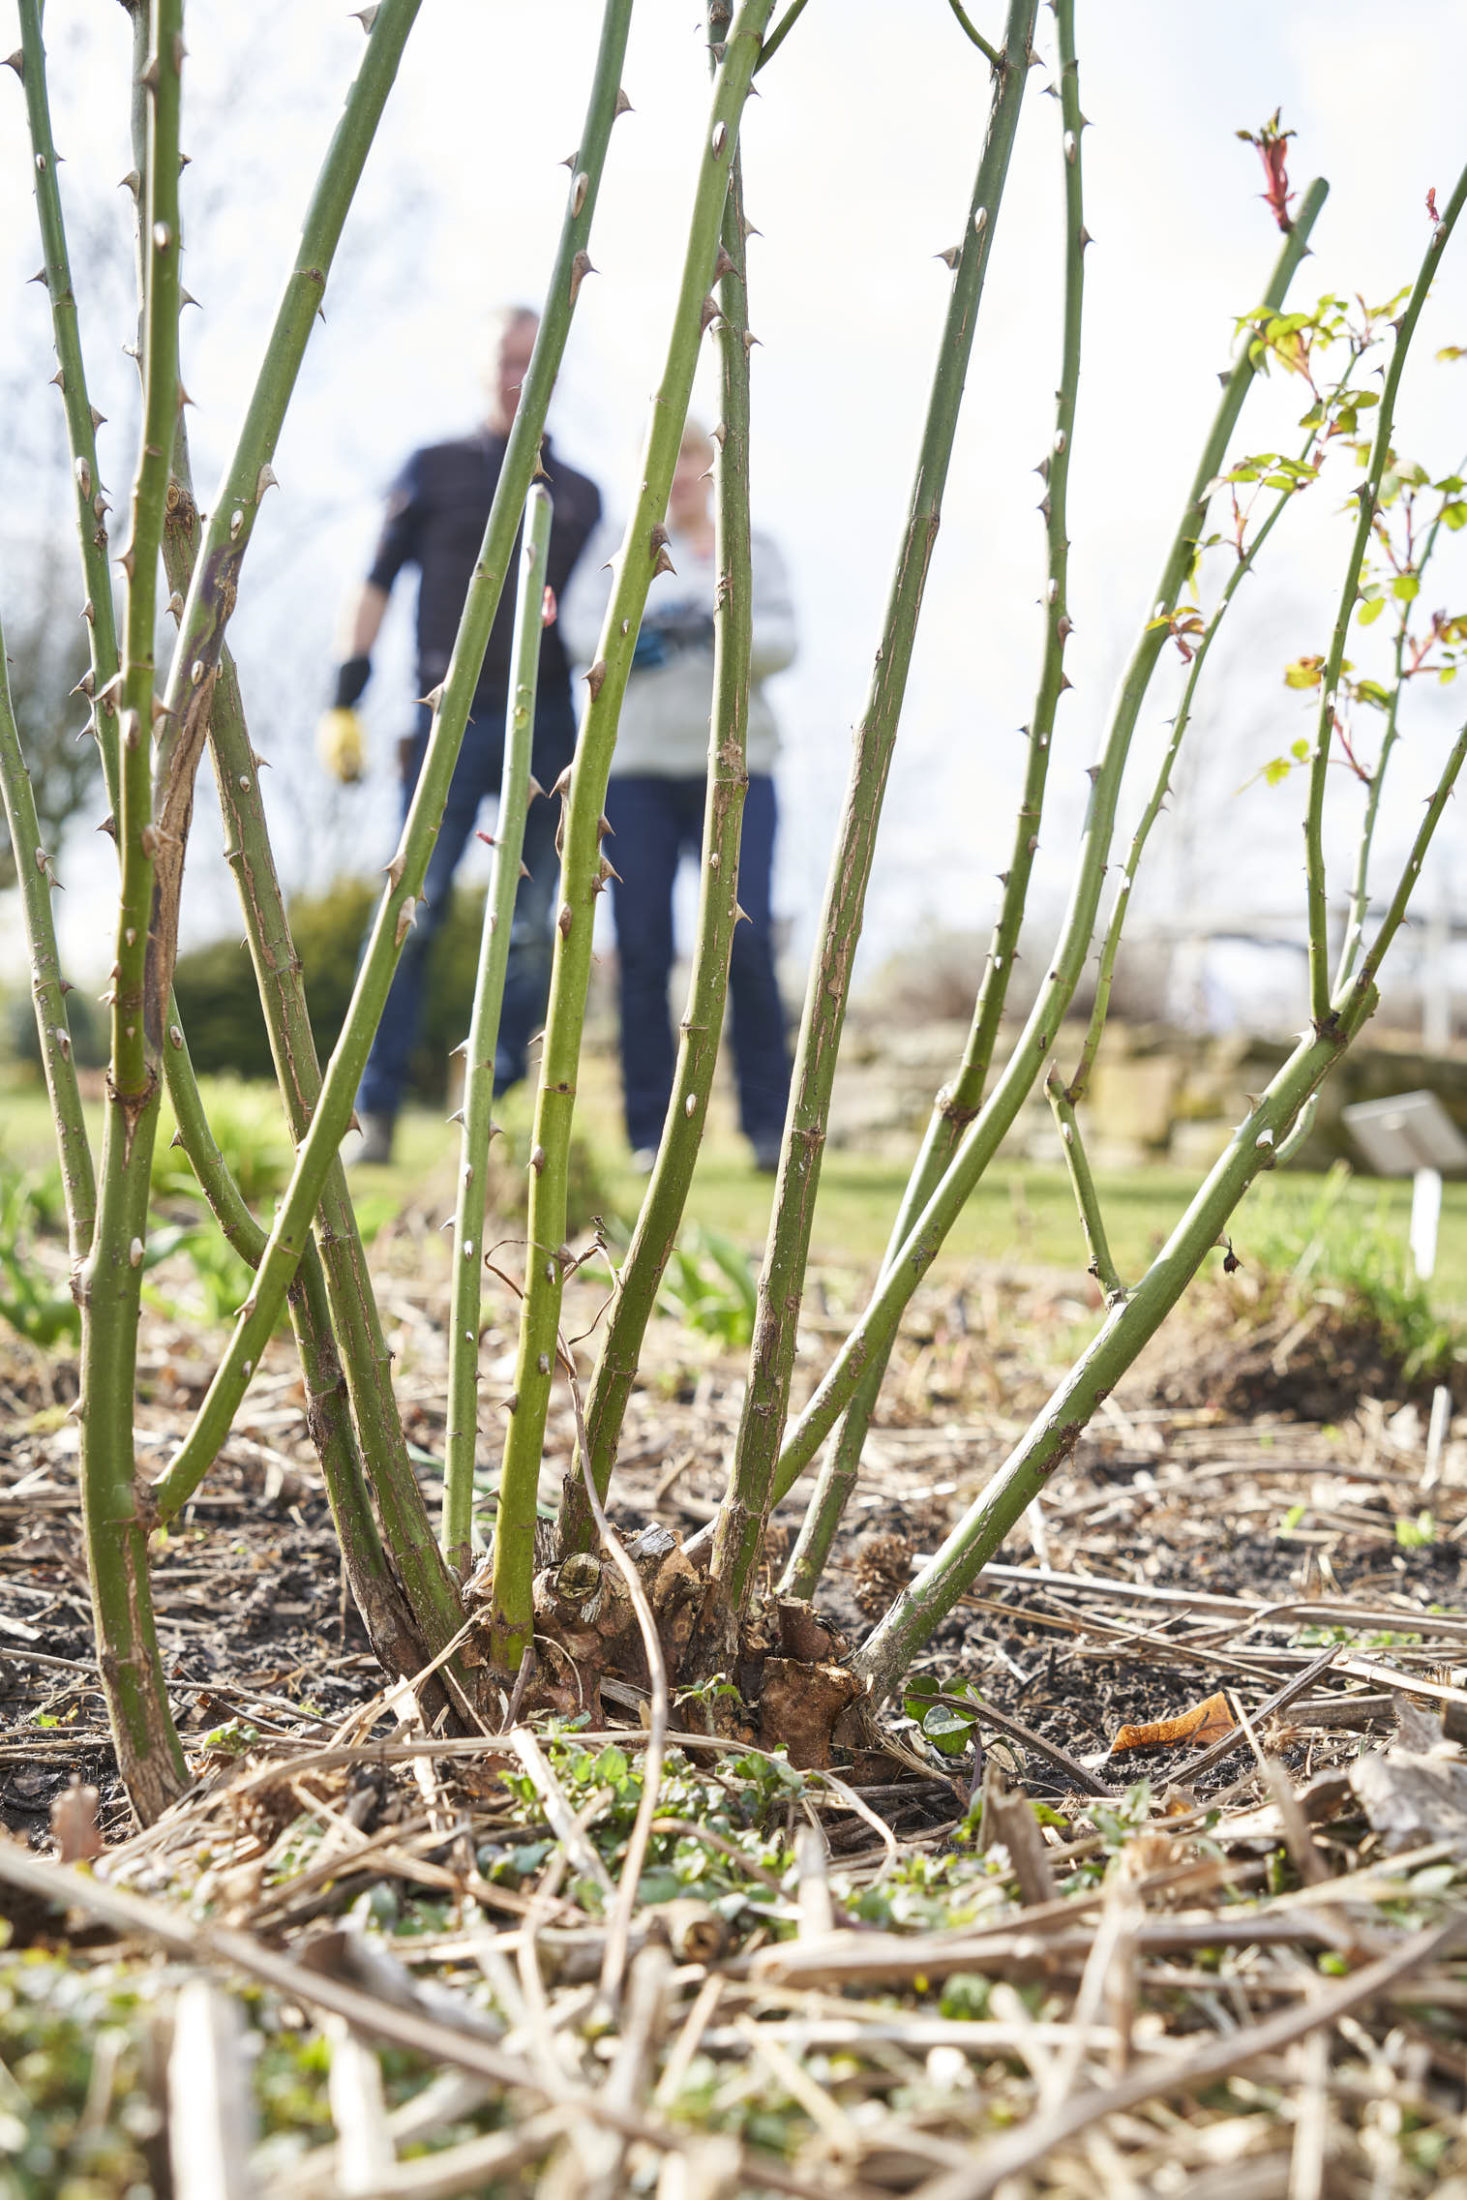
(1272, 144)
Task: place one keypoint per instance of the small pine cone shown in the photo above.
(883, 1568)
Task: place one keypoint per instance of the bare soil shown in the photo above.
(255, 1624)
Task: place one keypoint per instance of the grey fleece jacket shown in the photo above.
(664, 717)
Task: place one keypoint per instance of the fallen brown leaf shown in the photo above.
(1206, 1722)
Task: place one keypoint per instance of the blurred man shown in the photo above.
(436, 515)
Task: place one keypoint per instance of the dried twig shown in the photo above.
(688, 2041)
(1080, 1776)
(1311, 2129)
(1019, 2151)
(817, 1914)
(580, 1852)
(1015, 1825)
(642, 2020)
(207, 1943)
(641, 1833)
(473, 2166)
(210, 2113)
(1277, 1702)
(365, 2153)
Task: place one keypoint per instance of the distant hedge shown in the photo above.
(221, 1008)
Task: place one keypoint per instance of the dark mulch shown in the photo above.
(255, 1629)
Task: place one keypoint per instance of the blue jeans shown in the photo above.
(527, 981)
(656, 822)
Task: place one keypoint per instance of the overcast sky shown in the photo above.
(859, 156)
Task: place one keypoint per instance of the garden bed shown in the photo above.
(1044, 1960)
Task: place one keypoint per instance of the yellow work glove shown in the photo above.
(340, 746)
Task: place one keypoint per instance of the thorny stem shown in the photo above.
(970, 30)
(629, 1885)
(379, 1598)
(392, 1633)
(34, 877)
(462, 1441)
(1082, 1183)
(81, 421)
(326, 1395)
(958, 1103)
(739, 1533)
(317, 1152)
(137, 838)
(333, 1276)
(353, 1333)
(81, 424)
(900, 1278)
(956, 1107)
(1354, 938)
(642, 555)
(1367, 499)
(378, 1594)
(194, 1134)
(148, 1750)
(215, 584)
(1052, 1436)
(1347, 1003)
(702, 1024)
(1079, 1084)
(1050, 1439)
(1292, 1141)
(780, 32)
(397, 1641)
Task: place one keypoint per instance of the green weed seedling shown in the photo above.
(249, 1132)
(54, 2018)
(942, 1722)
(223, 1278)
(34, 1300)
(710, 1286)
(1116, 1822)
(1380, 1638)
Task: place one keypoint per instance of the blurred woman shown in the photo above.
(655, 803)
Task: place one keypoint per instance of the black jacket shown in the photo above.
(436, 515)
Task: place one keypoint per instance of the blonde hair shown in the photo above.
(696, 441)
(497, 326)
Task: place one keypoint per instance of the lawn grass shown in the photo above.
(1022, 1214)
